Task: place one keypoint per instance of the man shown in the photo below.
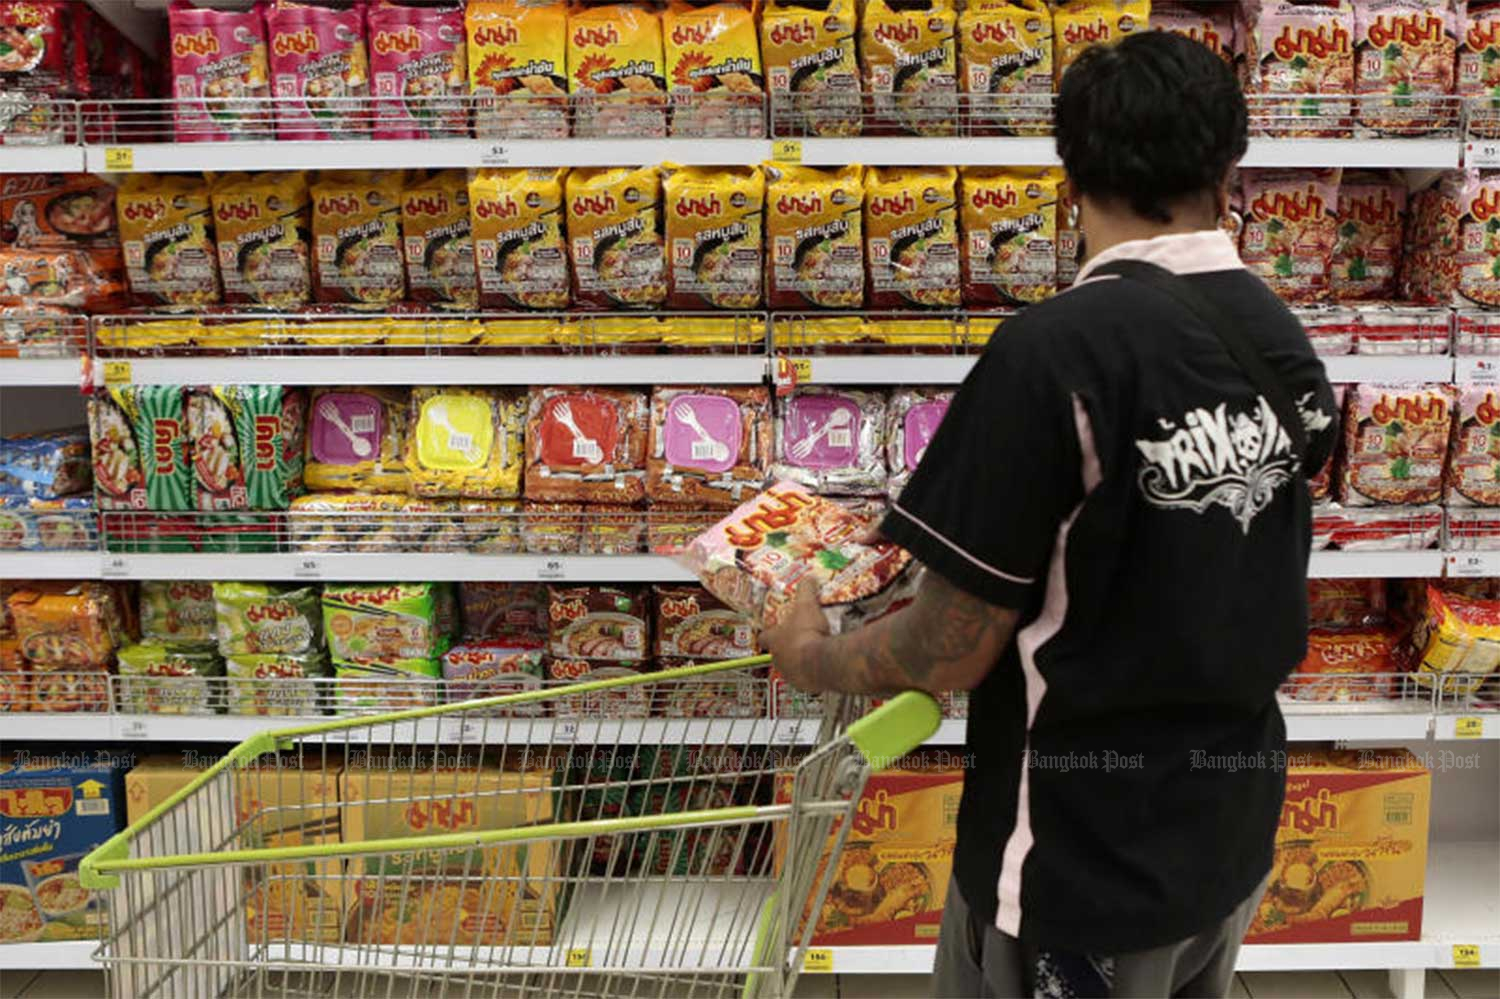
(1115, 526)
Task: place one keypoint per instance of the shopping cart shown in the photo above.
(515, 845)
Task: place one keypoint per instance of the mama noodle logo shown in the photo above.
(1311, 813)
(994, 33)
(796, 33)
(1000, 198)
(501, 33)
(451, 814)
(396, 42)
(797, 204)
(875, 814)
(1488, 411)
(1294, 206)
(568, 669)
(679, 607)
(1408, 409)
(296, 43)
(152, 210)
(775, 512)
(203, 44)
(703, 208)
(338, 204)
(1080, 33)
(244, 210)
(1376, 209)
(1352, 651)
(1322, 42)
(1485, 204)
(904, 33)
(428, 204)
(1483, 35)
(893, 204)
(597, 36)
(276, 610)
(692, 34)
(504, 207)
(1413, 29)
(595, 204)
(568, 610)
(35, 802)
(267, 430)
(164, 434)
(372, 597)
(177, 590)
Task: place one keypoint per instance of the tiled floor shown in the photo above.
(1259, 985)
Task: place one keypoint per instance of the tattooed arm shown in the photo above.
(946, 639)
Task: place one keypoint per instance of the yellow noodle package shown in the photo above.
(595, 333)
(941, 333)
(517, 332)
(911, 236)
(616, 72)
(466, 441)
(167, 234)
(614, 235)
(713, 219)
(812, 74)
(356, 439)
(1077, 24)
(713, 69)
(262, 228)
(519, 247)
(1009, 222)
(815, 235)
(517, 58)
(425, 330)
(910, 64)
(437, 239)
(356, 224)
(1005, 65)
(818, 331)
(130, 335)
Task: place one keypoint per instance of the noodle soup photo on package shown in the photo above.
(714, 220)
(911, 236)
(220, 73)
(437, 236)
(418, 71)
(264, 231)
(518, 67)
(615, 237)
(616, 72)
(909, 61)
(815, 235)
(516, 217)
(320, 70)
(167, 234)
(1005, 67)
(812, 72)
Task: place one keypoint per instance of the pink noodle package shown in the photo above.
(1479, 239)
(911, 421)
(418, 68)
(710, 447)
(318, 66)
(1371, 224)
(1290, 230)
(832, 441)
(1474, 458)
(220, 75)
(1405, 51)
(1213, 25)
(1302, 58)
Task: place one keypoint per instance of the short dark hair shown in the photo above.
(1149, 120)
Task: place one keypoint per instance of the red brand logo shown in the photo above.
(457, 813)
(1485, 205)
(203, 44)
(1086, 34)
(338, 204)
(994, 32)
(397, 42)
(279, 610)
(428, 204)
(35, 802)
(594, 204)
(568, 610)
(1483, 35)
(679, 607)
(1487, 412)
(893, 204)
(1414, 29)
(898, 34)
(1003, 197)
(691, 34)
(793, 204)
(799, 33)
(1409, 409)
(568, 669)
(504, 33)
(875, 813)
(200, 592)
(298, 43)
(374, 597)
(1310, 814)
(1374, 210)
(145, 211)
(1294, 206)
(164, 432)
(27, 15)
(267, 429)
(597, 36)
(703, 208)
(237, 211)
(1322, 42)
(777, 510)
(497, 209)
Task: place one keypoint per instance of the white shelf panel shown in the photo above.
(41, 159)
(895, 369)
(1355, 722)
(20, 371)
(444, 369)
(57, 955)
(1436, 154)
(382, 566)
(157, 157)
(50, 565)
(911, 151)
(1389, 368)
(1467, 727)
(1374, 565)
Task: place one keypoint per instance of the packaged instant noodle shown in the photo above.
(709, 447)
(350, 522)
(599, 622)
(246, 445)
(552, 528)
(418, 71)
(612, 529)
(1078, 24)
(66, 627)
(261, 223)
(1291, 230)
(755, 559)
(320, 71)
(275, 683)
(184, 689)
(1478, 257)
(220, 73)
(1369, 654)
(267, 618)
(167, 234)
(908, 60)
(713, 70)
(356, 439)
(812, 73)
(815, 234)
(692, 623)
(1009, 223)
(519, 246)
(1406, 51)
(1371, 225)
(832, 440)
(1213, 25)
(437, 234)
(1474, 462)
(1478, 74)
(356, 230)
(39, 51)
(517, 65)
(383, 623)
(910, 424)
(1430, 259)
(465, 441)
(586, 445)
(911, 236)
(1302, 55)
(1005, 66)
(93, 280)
(57, 212)
(713, 220)
(502, 611)
(615, 238)
(1395, 444)
(1457, 635)
(138, 436)
(177, 612)
(46, 464)
(492, 669)
(616, 72)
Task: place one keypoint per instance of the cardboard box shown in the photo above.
(893, 874)
(154, 780)
(51, 815)
(466, 897)
(1351, 850)
(280, 804)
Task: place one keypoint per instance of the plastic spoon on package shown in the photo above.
(330, 412)
(839, 418)
(719, 451)
(581, 441)
(439, 414)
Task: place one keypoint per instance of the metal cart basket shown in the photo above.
(516, 845)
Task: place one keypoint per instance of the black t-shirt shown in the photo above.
(1110, 472)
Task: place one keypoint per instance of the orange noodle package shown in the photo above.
(615, 236)
(1458, 640)
(1079, 24)
(713, 70)
(1404, 53)
(320, 71)
(167, 234)
(812, 73)
(262, 227)
(517, 66)
(616, 72)
(909, 60)
(911, 236)
(437, 240)
(709, 447)
(1302, 59)
(64, 627)
(1005, 66)
(1291, 230)
(516, 217)
(418, 71)
(714, 218)
(586, 445)
(1371, 225)
(356, 231)
(1395, 443)
(755, 559)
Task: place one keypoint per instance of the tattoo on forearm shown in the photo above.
(946, 638)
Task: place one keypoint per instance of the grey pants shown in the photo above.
(977, 961)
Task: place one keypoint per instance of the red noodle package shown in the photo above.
(1395, 441)
(418, 70)
(220, 74)
(586, 445)
(1290, 230)
(1474, 465)
(1371, 224)
(1346, 666)
(1345, 603)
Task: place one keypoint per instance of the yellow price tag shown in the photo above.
(818, 959)
(580, 957)
(1468, 727)
(802, 366)
(786, 150)
(117, 372)
(1466, 955)
(118, 159)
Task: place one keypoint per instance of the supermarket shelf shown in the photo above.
(50, 565)
(161, 157)
(47, 956)
(396, 565)
(1436, 154)
(902, 151)
(22, 371)
(1397, 722)
(1389, 368)
(41, 159)
(1375, 565)
(443, 369)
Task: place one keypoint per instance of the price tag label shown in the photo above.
(494, 154)
(786, 150)
(565, 730)
(1468, 565)
(460, 730)
(1482, 153)
(552, 568)
(117, 373)
(818, 960)
(118, 159)
(133, 728)
(307, 568)
(580, 957)
(1479, 370)
(1466, 955)
(786, 732)
(115, 567)
(802, 368)
(1468, 727)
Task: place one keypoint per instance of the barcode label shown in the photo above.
(704, 450)
(840, 437)
(461, 442)
(587, 449)
(1398, 817)
(91, 806)
(363, 423)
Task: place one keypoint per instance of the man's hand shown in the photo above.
(793, 643)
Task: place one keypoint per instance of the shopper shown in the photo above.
(1115, 523)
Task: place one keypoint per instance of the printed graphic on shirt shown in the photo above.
(1220, 457)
